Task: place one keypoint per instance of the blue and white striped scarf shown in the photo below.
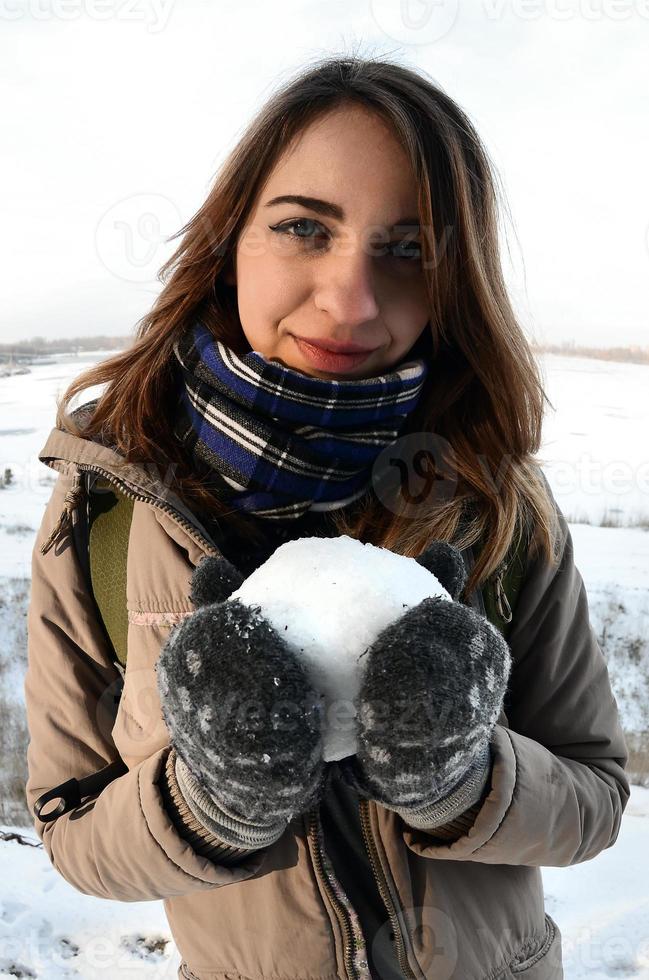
(284, 442)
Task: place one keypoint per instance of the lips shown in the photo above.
(328, 360)
(335, 346)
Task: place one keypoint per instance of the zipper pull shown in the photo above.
(501, 596)
(72, 498)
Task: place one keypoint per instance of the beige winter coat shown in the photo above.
(471, 909)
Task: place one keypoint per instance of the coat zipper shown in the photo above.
(384, 888)
(355, 953)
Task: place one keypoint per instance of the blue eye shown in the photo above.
(412, 254)
(284, 229)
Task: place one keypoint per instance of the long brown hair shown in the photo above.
(483, 397)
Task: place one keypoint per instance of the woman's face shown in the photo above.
(344, 272)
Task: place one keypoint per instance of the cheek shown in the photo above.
(266, 295)
(406, 319)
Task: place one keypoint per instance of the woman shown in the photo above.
(357, 209)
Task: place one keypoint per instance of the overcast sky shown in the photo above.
(117, 113)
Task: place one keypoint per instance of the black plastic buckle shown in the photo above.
(73, 790)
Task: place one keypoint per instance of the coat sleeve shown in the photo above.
(558, 785)
(122, 843)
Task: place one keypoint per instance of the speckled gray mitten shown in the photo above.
(242, 715)
(431, 694)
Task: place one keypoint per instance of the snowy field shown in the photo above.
(596, 457)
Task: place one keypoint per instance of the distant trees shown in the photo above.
(633, 354)
(38, 346)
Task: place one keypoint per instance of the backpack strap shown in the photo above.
(103, 518)
(109, 525)
(100, 534)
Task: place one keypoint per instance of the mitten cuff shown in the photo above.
(463, 797)
(231, 829)
(188, 826)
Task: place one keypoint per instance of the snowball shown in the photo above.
(330, 598)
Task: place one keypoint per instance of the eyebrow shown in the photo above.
(327, 208)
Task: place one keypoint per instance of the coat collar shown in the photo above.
(88, 461)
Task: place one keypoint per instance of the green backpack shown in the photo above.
(102, 543)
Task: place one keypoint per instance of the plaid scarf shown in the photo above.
(282, 442)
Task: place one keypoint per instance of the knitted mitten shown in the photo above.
(242, 715)
(430, 697)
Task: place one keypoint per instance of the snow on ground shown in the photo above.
(50, 931)
(602, 905)
(595, 457)
(27, 414)
(594, 439)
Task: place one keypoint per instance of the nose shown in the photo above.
(346, 290)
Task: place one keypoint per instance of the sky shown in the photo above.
(117, 114)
